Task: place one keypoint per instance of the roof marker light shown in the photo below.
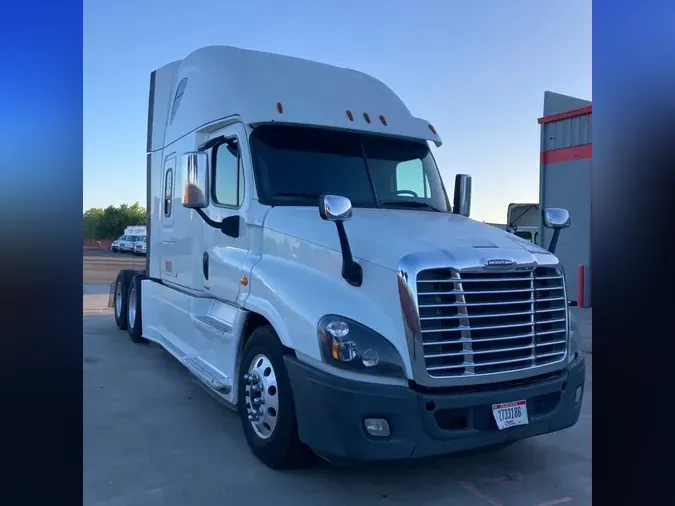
(280, 108)
(433, 130)
(350, 115)
(383, 120)
(366, 117)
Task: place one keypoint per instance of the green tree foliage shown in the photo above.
(109, 223)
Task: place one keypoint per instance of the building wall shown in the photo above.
(565, 181)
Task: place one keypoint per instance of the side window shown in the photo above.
(180, 91)
(168, 192)
(410, 177)
(228, 174)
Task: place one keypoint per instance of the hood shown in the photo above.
(384, 236)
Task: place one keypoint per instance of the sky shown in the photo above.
(476, 69)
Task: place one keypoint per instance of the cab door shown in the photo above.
(224, 256)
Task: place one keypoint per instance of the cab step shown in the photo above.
(218, 325)
(207, 374)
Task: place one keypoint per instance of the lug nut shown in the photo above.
(258, 413)
(247, 378)
(257, 388)
(258, 401)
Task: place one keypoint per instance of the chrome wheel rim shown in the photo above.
(262, 396)
(132, 307)
(118, 300)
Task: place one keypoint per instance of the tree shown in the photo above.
(110, 222)
(90, 221)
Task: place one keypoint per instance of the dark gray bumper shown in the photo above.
(331, 410)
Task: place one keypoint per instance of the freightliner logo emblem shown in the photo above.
(499, 263)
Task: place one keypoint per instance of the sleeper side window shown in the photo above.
(228, 174)
(168, 192)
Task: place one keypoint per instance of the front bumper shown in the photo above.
(330, 412)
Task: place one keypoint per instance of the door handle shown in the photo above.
(205, 265)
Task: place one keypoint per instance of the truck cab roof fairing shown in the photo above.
(221, 81)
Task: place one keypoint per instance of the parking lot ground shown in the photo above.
(152, 436)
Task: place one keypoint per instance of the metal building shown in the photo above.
(565, 181)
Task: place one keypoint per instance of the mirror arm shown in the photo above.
(554, 240)
(229, 226)
(209, 221)
(351, 271)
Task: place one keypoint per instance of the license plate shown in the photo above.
(510, 414)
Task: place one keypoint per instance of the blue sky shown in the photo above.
(477, 69)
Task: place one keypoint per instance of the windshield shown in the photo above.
(294, 165)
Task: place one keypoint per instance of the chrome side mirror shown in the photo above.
(461, 203)
(335, 208)
(339, 209)
(554, 217)
(557, 219)
(195, 170)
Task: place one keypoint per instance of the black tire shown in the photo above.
(122, 283)
(282, 449)
(135, 327)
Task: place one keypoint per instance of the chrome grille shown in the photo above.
(486, 323)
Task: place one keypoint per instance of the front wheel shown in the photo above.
(266, 405)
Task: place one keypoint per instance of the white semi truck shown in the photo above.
(305, 264)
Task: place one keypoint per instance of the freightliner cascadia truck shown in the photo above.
(305, 264)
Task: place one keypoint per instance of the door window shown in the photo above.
(228, 174)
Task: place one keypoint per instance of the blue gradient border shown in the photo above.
(633, 274)
(41, 224)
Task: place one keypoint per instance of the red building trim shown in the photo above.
(569, 114)
(584, 152)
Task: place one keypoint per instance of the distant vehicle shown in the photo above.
(524, 221)
(115, 246)
(131, 236)
(140, 247)
(126, 245)
(306, 265)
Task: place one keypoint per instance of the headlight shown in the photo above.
(349, 345)
(575, 346)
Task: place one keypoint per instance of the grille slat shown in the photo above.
(483, 340)
(486, 323)
(480, 352)
(469, 304)
(487, 364)
(487, 315)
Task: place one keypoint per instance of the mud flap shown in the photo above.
(111, 296)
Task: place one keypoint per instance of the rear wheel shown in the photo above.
(121, 299)
(134, 313)
(266, 404)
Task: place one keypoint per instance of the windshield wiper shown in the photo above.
(297, 194)
(409, 203)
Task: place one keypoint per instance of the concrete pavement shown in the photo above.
(152, 436)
